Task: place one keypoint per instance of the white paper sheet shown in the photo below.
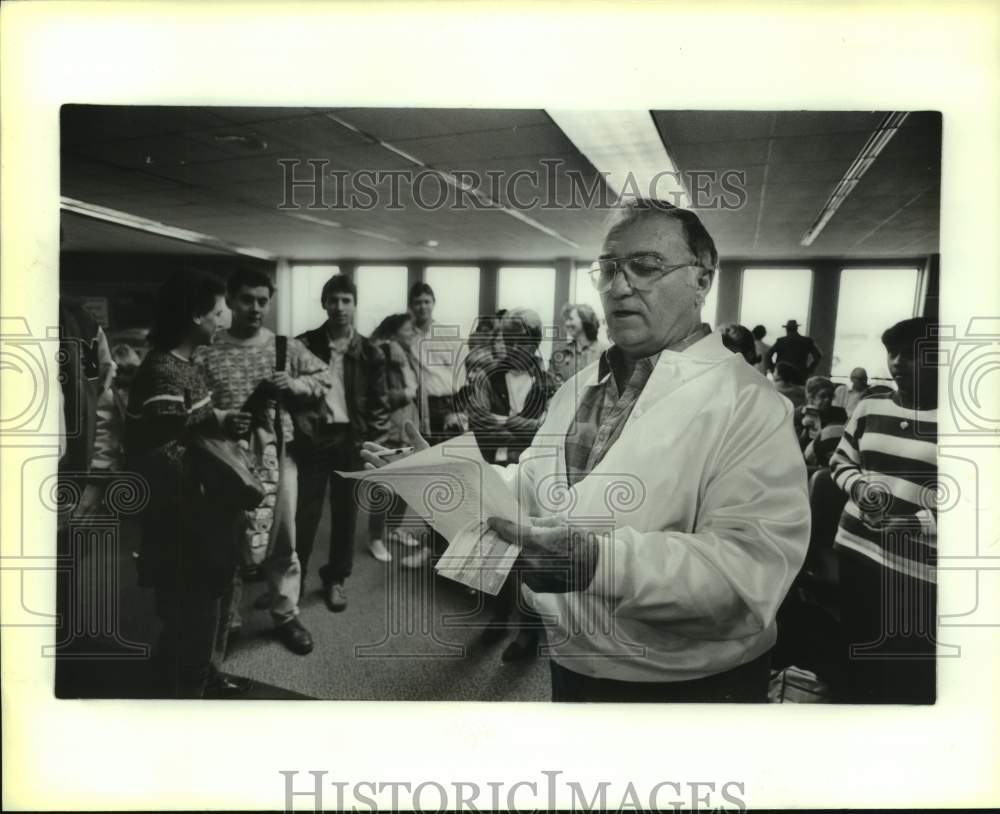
(452, 488)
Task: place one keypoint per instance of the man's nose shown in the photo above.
(619, 284)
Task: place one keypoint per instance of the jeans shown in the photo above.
(282, 568)
(334, 449)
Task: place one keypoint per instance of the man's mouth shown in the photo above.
(624, 312)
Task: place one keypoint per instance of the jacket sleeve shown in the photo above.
(395, 359)
(310, 375)
(727, 578)
(378, 423)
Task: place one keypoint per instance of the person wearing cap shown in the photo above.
(663, 504)
(795, 349)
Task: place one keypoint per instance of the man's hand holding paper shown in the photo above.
(455, 491)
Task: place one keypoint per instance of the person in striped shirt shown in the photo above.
(886, 463)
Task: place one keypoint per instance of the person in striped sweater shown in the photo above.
(886, 463)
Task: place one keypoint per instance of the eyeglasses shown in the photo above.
(641, 271)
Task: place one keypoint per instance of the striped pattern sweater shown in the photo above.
(886, 462)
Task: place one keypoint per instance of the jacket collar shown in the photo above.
(319, 343)
(706, 348)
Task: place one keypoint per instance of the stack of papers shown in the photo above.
(455, 491)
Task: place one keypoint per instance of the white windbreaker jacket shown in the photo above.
(704, 501)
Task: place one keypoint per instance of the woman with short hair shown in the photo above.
(190, 536)
(581, 348)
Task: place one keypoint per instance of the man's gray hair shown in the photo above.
(695, 234)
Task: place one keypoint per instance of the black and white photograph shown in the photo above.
(604, 422)
(654, 392)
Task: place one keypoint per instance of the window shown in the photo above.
(870, 300)
(534, 288)
(307, 286)
(710, 311)
(381, 291)
(771, 297)
(584, 293)
(456, 295)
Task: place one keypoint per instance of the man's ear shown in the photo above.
(705, 279)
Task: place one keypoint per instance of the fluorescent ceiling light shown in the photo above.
(875, 144)
(626, 147)
(153, 227)
(452, 181)
(337, 225)
(313, 219)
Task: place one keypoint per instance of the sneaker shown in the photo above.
(295, 637)
(379, 551)
(336, 597)
(407, 539)
(417, 559)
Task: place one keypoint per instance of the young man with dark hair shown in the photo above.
(355, 409)
(245, 369)
(886, 463)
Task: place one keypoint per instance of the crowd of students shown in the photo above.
(302, 407)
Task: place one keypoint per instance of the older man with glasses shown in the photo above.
(682, 515)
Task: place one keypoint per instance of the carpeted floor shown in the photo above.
(406, 635)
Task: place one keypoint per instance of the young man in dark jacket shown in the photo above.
(355, 410)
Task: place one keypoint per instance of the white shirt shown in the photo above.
(336, 398)
(704, 501)
(441, 360)
(518, 386)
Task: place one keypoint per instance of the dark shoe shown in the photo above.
(224, 685)
(295, 637)
(525, 646)
(336, 598)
